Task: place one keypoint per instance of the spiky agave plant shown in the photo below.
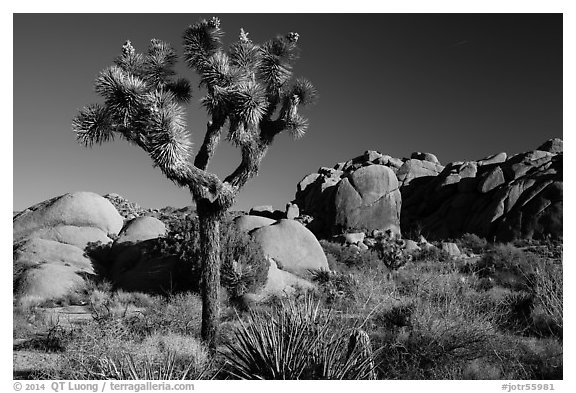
(249, 91)
(298, 339)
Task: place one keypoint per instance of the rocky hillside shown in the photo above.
(498, 197)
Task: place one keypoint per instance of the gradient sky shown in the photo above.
(459, 86)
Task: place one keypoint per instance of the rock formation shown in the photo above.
(361, 194)
(497, 197)
(49, 240)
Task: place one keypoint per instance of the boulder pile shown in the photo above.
(49, 241)
(497, 197)
(51, 263)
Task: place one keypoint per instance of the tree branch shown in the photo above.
(211, 139)
(252, 155)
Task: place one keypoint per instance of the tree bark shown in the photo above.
(210, 286)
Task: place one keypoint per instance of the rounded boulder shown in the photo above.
(140, 229)
(368, 199)
(249, 223)
(79, 209)
(46, 270)
(292, 245)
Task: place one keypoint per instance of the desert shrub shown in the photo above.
(392, 254)
(179, 313)
(430, 254)
(106, 303)
(430, 340)
(244, 267)
(473, 242)
(22, 326)
(137, 299)
(336, 286)
(508, 267)
(527, 358)
(547, 314)
(398, 315)
(160, 341)
(110, 351)
(298, 340)
(430, 326)
(341, 257)
(512, 312)
(481, 368)
(51, 337)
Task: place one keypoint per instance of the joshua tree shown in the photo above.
(249, 92)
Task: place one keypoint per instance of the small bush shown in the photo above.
(179, 314)
(106, 304)
(473, 242)
(392, 254)
(244, 267)
(341, 257)
(547, 313)
(508, 266)
(427, 340)
(101, 256)
(51, 340)
(114, 354)
(527, 358)
(512, 312)
(398, 316)
(430, 254)
(336, 286)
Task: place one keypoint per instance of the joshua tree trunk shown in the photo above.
(209, 218)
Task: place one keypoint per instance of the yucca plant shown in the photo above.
(298, 339)
(249, 91)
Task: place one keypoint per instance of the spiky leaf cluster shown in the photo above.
(249, 84)
(142, 103)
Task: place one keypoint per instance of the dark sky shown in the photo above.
(461, 86)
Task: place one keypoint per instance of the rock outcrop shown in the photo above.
(497, 197)
(49, 242)
(78, 209)
(361, 194)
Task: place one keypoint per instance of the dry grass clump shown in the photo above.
(111, 352)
